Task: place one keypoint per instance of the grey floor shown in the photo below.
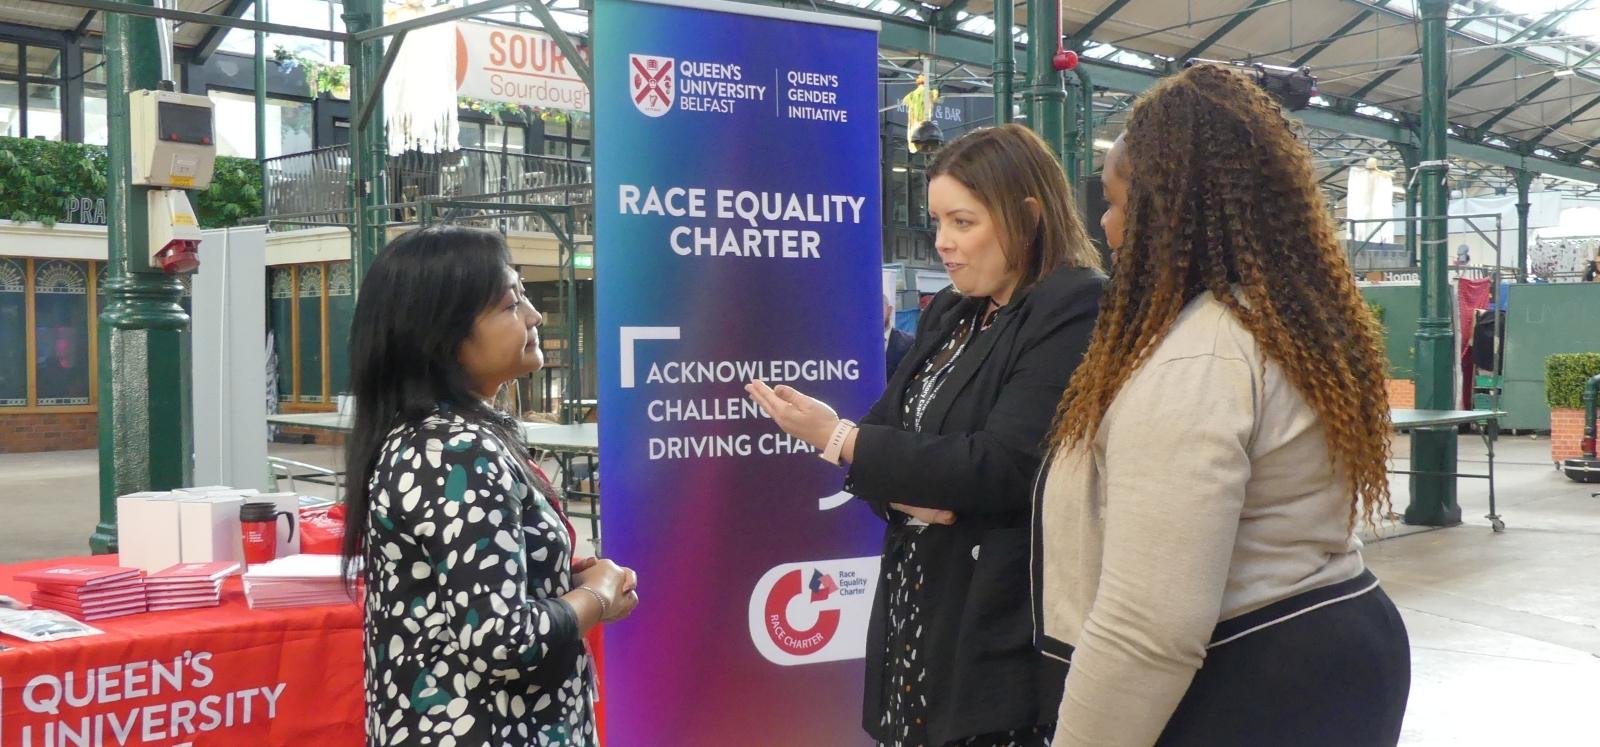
(1505, 628)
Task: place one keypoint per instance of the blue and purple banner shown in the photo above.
(738, 237)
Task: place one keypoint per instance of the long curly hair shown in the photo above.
(1222, 199)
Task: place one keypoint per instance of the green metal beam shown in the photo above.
(204, 19)
(368, 145)
(213, 38)
(1046, 99)
(1564, 121)
(1538, 27)
(389, 56)
(948, 16)
(1225, 29)
(1524, 182)
(574, 58)
(902, 34)
(1372, 85)
(1003, 61)
(1349, 26)
(1433, 450)
(1531, 95)
(1082, 35)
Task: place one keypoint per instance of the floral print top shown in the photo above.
(467, 639)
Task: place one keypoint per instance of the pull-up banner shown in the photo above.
(738, 237)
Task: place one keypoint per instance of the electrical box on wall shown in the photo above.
(173, 139)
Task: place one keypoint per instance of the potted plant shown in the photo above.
(1564, 377)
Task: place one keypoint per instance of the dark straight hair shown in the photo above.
(417, 305)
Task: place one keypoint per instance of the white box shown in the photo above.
(210, 529)
(221, 491)
(148, 532)
(289, 502)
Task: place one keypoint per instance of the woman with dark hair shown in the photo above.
(475, 609)
(1196, 553)
(946, 456)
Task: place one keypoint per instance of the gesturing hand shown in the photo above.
(808, 419)
(927, 515)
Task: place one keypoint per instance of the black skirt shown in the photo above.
(1334, 675)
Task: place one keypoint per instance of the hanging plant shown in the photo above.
(321, 77)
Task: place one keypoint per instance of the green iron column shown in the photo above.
(1524, 181)
(261, 88)
(1433, 450)
(368, 147)
(1046, 98)
(1004, 57)
(1085, 120)
(1069, 138)
(146, 439)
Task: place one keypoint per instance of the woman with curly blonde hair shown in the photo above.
(1195, 549)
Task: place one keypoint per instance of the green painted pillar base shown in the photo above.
(146, 441)
(1433, 497)
(1433, 450)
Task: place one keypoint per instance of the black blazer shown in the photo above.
(895, 351)
(981, 445)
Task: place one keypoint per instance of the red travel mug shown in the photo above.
(259, 524)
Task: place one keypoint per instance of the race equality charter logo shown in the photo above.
(651, 81)
(809, 613)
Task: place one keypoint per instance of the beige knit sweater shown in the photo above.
(1209, 492)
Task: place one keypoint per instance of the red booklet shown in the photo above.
(176, 590)
(162, 606)
(193, 573)
(77, 576)
(91, 593)
(92, 612)
(56, 601)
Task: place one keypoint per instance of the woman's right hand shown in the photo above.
(618, 585)
(927, 515)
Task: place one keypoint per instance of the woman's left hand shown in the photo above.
(810, 420)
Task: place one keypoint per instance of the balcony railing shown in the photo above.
(312, 188)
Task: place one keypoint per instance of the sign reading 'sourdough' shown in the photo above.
(517, 66)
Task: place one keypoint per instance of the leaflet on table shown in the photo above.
(42, 625)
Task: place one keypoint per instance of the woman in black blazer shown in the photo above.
(947, 456)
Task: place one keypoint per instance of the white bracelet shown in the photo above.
(605, 607)
(831, 454)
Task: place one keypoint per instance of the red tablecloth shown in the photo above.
(225, 675)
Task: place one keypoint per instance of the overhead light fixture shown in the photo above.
(899, 169)
(927, 136)
(1100, 144)
(1566, 72)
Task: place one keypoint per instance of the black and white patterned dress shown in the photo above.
(905, 720)
(467, 640)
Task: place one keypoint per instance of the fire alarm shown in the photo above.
(1064, 60)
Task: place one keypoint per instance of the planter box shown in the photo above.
(1566, 432)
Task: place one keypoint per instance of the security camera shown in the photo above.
(1292, 87)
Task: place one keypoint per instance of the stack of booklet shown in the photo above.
(296, 581)
(87, 592)
(188, 585)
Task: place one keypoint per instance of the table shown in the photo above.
(225, 675)
(1490, 419)
(567, 444)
